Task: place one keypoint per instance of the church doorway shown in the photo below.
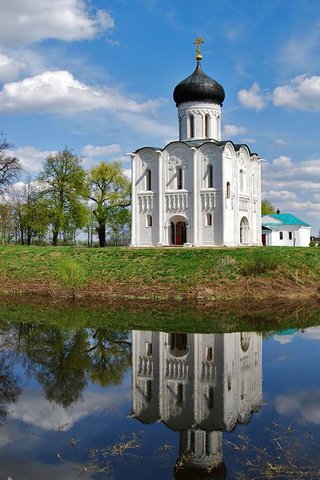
(178, 233)
(244, 231)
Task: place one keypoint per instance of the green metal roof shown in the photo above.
(285, 219)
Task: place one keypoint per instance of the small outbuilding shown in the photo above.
(284, 229)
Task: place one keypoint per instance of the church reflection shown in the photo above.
(199, 385)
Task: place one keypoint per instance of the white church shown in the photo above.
(200, 190)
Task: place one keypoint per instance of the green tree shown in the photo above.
(63, 181)
(109, 190)
(10, 166)
(32, 212)
(267, 207)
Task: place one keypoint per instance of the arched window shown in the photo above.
(178, 345)
(148, 179)
(207, 126)
(191, 126)
(228, 193)
(149, 220)
(179, 178)
(210, 175)
(209, 219)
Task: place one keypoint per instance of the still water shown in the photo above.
(98, 403)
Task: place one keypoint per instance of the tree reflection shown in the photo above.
(110, 356)
(9, 388)
(63, 360)
(61, 363)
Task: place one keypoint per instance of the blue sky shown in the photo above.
(98, 76)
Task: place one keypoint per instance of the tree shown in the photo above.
(267, 207)
(63, 181)
(109, 190)
(31, 211)
(10, 166)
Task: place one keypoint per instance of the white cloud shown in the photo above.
(254, 98)
(9, 68)
(98, 151)
(292, 187)
(31, 158)
(316, 197)
(279, 141)
(301, 52)
(282, 194)
(60, 92)
(303, 93)
(25, 21)
(312, 333)
(232, 130)
(128, 173)
(35, 410)
(282, 162)
(305, 406)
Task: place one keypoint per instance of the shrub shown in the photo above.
(257, 265)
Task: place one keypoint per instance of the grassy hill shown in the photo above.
(200, 274)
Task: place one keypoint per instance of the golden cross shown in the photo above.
(197, 42)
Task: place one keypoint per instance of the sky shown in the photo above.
(97, 76)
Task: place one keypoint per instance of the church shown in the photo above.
(200, 190)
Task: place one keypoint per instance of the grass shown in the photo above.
(151, 273)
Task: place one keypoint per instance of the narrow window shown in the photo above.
(179, 394)
(209, 354)
(148, 349)
(290, 235)
(210, 175)
(179, 178)
(148, 179)
(281, 235)
(210, 398)
(229, 383)
(192, 442)
(207, 126)
(149, 220)
(228, 190)
(241, 180)
(191, 126)
(148, 390)
(208, 449)
(209, 219)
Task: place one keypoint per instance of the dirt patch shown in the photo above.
(242, 288)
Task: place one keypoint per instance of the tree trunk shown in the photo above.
(55, 238)
(102, 234)
(29, 235)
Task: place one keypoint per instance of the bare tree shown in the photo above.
(10, 166)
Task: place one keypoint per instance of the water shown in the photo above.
(95, 403)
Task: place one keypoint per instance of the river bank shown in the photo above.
(201, 275)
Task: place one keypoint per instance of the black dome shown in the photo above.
(198, 87)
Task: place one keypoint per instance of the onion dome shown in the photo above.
(199, 87)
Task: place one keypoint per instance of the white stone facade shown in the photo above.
(211, 192)
(198, 191)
